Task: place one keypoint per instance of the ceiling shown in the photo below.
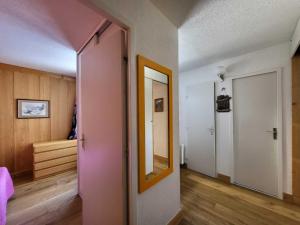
(176, 10)
(216, 29)
(44, 34)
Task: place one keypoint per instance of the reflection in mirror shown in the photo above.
(156, 122)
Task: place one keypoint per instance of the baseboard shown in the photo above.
(161, 159)
(27, 173)
(291, 199)
(296, 200)
(288, 198)
(177, 218)
(183, 166)
(224, 178)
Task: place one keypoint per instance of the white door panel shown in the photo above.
(149, 125)
(101, 116)
(255, 116)
(200, 119)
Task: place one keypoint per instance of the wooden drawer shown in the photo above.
(55, 162)
(54, 170)
(54, 154)
(54, 157)
(54, 145)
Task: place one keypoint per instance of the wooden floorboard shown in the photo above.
(44, 201)
(207, 201)
(74, 219)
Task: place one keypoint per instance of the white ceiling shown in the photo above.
(44, 34)
(176, 10)
(218, 29)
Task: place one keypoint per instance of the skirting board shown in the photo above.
(27, 173)
(224, 178)
(183, 166)
(296, 200)
(177, 218)
(291, 199)
(288, 198)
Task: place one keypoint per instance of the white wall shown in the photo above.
(149, 125)
(269, 58)
(155, 37)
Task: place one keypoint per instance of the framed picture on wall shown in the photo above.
(32, 109)
(159, 104)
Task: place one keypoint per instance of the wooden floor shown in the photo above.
(158, 166)
(53, 200)
(206, 201)
(75, 219)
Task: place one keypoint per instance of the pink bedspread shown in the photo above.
(6, 191)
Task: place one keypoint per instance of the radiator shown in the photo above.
(182, 154)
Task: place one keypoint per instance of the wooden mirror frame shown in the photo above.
(141, 63)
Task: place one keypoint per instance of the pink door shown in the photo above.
(102, 126)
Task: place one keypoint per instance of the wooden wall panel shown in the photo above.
(27, 131)
(61, 98)
(18, 134)
(296, 126)
(6, 119)
(45, 93)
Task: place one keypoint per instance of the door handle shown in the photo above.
(82, 141)
(274, 132)
(211, 130)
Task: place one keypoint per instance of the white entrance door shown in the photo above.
(200, 120)
(255, 130)
(102, 125)
(149, 125)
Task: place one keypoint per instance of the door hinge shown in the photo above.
(126, 152)
(125, 58)
(102, 29)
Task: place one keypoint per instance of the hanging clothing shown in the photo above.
(73, 132)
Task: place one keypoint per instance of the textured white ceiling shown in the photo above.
(45, 34)
(176, 10)
(218, 29)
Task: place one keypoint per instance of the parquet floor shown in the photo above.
(206, 201)
(45, 201)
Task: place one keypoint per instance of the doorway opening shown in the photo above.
(56, 137)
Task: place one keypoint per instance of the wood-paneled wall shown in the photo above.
(296, 127)
(17, 135)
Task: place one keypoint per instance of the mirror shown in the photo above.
(155, 122)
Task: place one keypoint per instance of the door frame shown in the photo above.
(279, 147)
(215, 130)
(127, 148)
